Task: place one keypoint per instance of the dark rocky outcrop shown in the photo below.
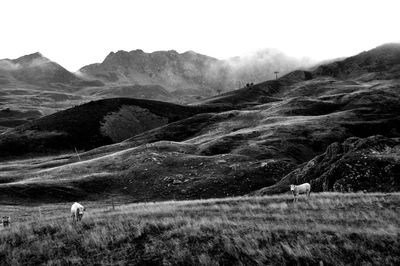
(358, 164)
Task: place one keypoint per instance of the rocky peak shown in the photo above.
(27, 59)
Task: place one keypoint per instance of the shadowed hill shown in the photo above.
(79, 127)
(298, 128)
(212, 154)
(232, 144)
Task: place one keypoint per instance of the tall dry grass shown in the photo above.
(333, 228)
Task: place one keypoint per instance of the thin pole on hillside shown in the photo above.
(77, 154)
(276, 74)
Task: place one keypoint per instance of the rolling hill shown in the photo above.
(258, 138)
(34, 83)
(80, 127)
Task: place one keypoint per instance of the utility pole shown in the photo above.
(79, 158)
(276, 74)
(238, 84)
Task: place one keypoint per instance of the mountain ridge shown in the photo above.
(258, 138)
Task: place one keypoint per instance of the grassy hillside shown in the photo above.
(219, 154)
(379, 63)
(357, 164)
(161, 171)
(265, 135)
(80, 126)
(332, 228)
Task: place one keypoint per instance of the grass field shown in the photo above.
(332, 228)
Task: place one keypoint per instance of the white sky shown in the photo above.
(75, 33)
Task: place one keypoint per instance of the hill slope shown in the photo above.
(370, 164)
(33, 83)
(232, 144)
(79, 127)
(379, 63)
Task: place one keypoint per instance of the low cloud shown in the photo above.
(12, 65)
(255, 67)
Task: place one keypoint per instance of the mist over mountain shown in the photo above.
(190, 71)
(261, 66)
(200, 133)
(336, 129)
(34, 83)
(335, 126)
(35, 69)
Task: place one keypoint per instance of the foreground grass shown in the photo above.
(336, 229)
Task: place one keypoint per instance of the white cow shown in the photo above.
(77, 211)
(300, 189)
(6, 221)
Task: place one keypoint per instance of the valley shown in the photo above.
(215, 133)
(303, 127)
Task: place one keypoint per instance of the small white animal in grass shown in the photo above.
(77, 211)
(6, 221)
(300, 189)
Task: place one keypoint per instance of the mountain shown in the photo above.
(337, 130)
(35, 69)
(32, 86)
(34, 83)
(382, 62)
(190, 72)
(166, 68)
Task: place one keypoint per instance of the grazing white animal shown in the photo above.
(77, 211)
(300, 189)
(6, 221)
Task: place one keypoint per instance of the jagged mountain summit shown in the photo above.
(35, 84)
(190, 71)
(307, 126)
(169, 69)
